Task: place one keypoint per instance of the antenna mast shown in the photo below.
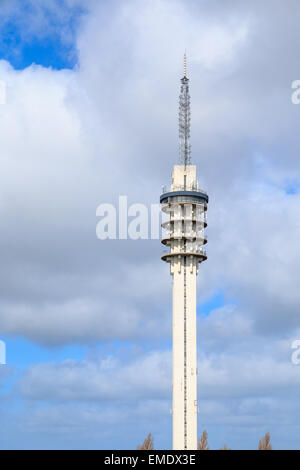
(184, 120)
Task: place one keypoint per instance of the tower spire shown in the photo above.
(184, 120)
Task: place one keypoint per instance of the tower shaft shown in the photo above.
(186, 207)
(184, 357)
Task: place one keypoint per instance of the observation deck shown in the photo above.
(185, 226)
(184, 196)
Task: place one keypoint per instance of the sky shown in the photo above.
(89, 112)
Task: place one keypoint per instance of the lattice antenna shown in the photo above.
(184, 120)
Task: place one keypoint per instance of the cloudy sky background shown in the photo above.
(90, 114)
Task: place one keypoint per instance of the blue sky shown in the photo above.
(90, 114)
(52, 44)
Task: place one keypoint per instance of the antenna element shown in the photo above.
(184, 120)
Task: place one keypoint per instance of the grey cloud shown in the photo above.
(72, 140)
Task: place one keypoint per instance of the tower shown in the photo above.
(185, 205)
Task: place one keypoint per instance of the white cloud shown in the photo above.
(242, 390)
(257, 368)
(72, 139)
(102, 379)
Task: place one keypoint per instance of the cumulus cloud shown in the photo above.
(74, 139)
(102, 379)
(256, 368)
(242, 387)
(74, 147)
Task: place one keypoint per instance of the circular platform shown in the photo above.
(184, 196)
(167, 256)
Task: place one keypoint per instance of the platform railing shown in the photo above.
(193, 187)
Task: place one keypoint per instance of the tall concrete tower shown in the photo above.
(185, 205)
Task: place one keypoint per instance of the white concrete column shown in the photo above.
(191, 281)
(184, 356)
